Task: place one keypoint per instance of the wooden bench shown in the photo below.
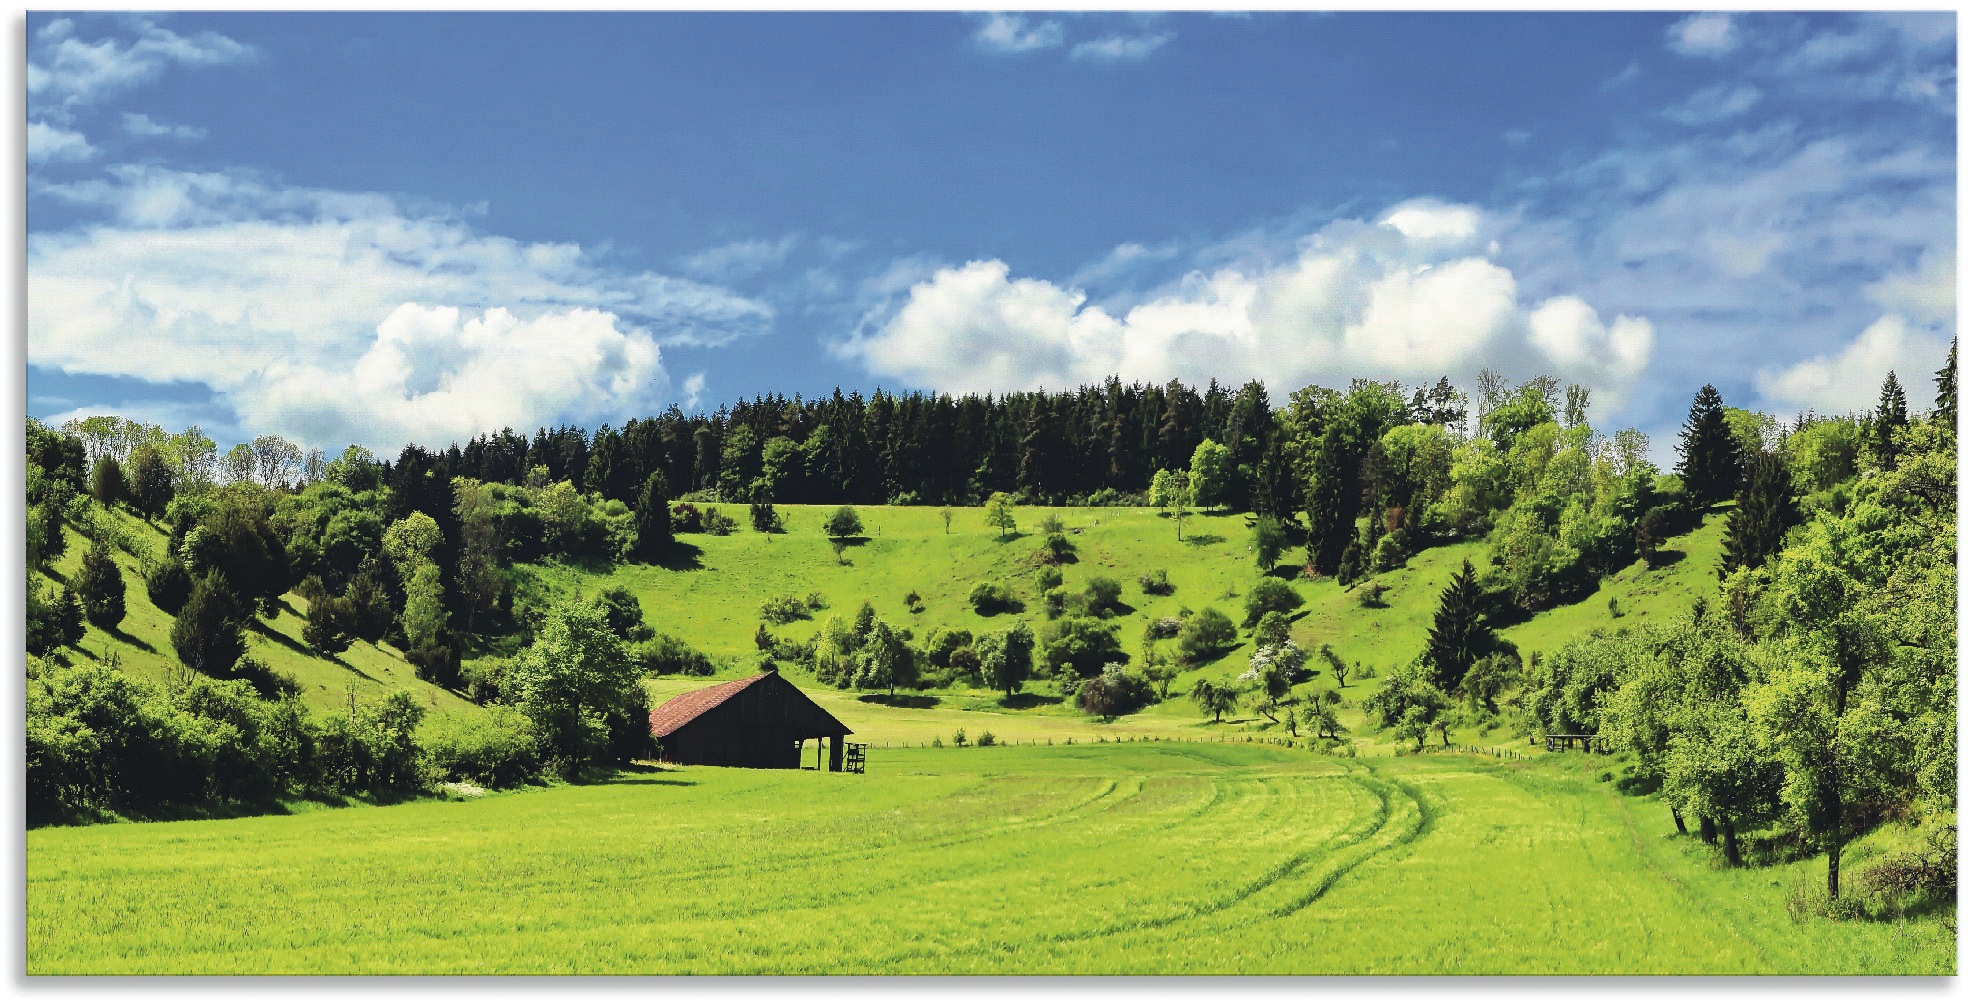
(857, 758)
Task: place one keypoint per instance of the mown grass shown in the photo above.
(1157, 857)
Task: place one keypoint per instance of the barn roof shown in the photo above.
(685, 708)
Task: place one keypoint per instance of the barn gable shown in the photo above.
(756, 721)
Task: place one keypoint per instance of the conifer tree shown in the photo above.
(1710, 463)
(1459, 636)
(653, 531)
(107, 484)
(1888, 421)
(100, 587)
(207, 635)
(1765, 509)
(1944, 387)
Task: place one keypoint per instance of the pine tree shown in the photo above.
(1888, 421)
(1711, 466)
(1764, 510)
(100, 587)
(330, 624)
(168, 585)
(1459, 636)
(107, 483)
(1944, 388)
(653, 532)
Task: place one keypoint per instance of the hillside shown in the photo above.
(712, 602)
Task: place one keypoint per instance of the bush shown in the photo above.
(816, 601)
(1049, 577)
(991, 598)
(494, 750)
(1270, 594)
(985, 739)
(665, 654)
(1086, 645)
(1164, 628)
(844, 523)
(1157, 583)
(780, 610)
(765, 519)
(686, 518)
(1115, 692)
(1055, 602)
(1373, 594)
(717, 523)
(1205, 636)
(1103, 596)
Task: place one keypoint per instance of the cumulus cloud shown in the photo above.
(1121, 48)
(301, 307)
(1926, 294)
(49, 144)
(1848, 380)
(1706, 35)
(1010, 34)
(145, 127)
(64, 70)
(1713, 104)
(1410, 296)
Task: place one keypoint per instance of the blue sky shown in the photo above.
(390, 228)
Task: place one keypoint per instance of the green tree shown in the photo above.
(1204, 635)
(1209, 473)
(1711, 466)
(1216, 699)
(1084, 644)
(106, 483)
(1764, 510)
(1267, 541)
(151, 482)
(654, 533)
(1889, 421)
(843, 524)
(424, 617)
(1459, 635)
(1170, 490)
(1944, 392)
(572, 681)
(100, 587)
(1271, 629)
(330, 625)
(997, 514)
(1267, 595)
(206, 635)
(1005, 658)
(168, 584)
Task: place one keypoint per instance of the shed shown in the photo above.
(758, 721)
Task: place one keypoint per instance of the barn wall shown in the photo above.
(761, 726)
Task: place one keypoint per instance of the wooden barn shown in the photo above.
(759, 721)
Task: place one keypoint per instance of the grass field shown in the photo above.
(1145, 857)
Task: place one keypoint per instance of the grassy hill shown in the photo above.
(711, 599)
(1142, 858)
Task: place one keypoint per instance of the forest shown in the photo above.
(1809, 697)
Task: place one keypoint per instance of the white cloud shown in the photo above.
(1706, 35)
(1713, 104)
(64, 70)
(743, 259)
(300, 308)
(1124, 259)
(145, 127)
(1403, 299)
(693, 390)
(1010, 34)
(1848, 381)
(49, 144)
(1121, 48)
(1926, 294)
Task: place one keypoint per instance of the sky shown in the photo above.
(393, 228)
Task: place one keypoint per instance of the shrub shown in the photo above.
(943, 643)
(913, 602)
(1164, 628)
(816, 601)
(1103, 596)
(960, 739)
(686, 517)
(1114, 692)
(844, 523)
(765, 519)
(1049, 577)
(780, 610)
(1055, 602)
(495, 750)
(665, 654)
(1270, 594)
(1086, 645)
(1157, 583)
(1372, 594)
(716, 523)
(990, 598)
(1206, 635)
(985, 739)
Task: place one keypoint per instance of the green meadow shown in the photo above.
(1143, 857)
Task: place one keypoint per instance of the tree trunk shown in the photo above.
(1680, 825)
(1730, 853)
(1836, 846)
(1707, 830)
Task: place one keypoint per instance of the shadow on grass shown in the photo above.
(121, 636)
(1028, 699)
(1202, 539)
(901, 700)
(681, 555)
(1287, 572)
(1011, 607)
(1665, 557)
(1009, 537)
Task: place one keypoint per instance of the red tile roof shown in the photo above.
(673, 714)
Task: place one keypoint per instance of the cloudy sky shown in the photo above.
(392, 228)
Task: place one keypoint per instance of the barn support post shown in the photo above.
(835, 751)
